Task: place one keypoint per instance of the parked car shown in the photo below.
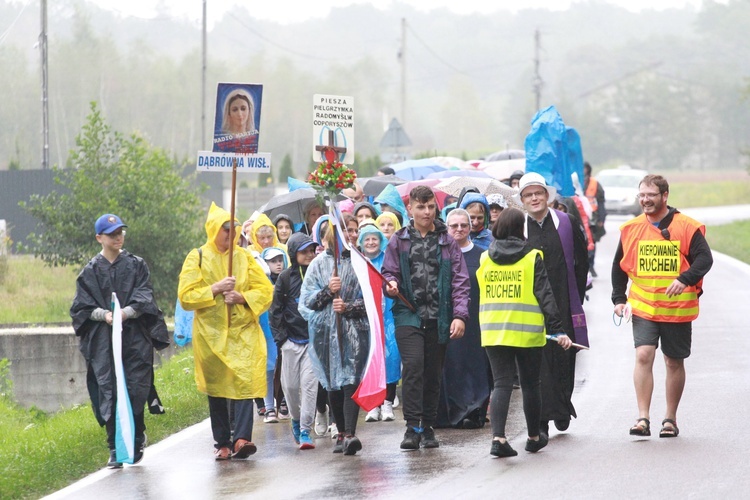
(621, 189)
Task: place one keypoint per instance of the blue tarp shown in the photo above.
(553, 150)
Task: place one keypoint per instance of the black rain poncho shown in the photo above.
(128, 276)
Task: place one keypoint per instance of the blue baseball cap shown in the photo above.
(108, 223)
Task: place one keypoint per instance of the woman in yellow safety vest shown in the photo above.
(515, 304)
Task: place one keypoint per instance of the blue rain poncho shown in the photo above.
(391, 197)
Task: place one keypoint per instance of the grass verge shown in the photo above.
(35, 293)
(731, 239)
(709, 194)
(41, 453)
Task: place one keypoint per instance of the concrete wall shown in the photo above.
(47, 370)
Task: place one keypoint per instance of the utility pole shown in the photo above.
(45, 100)
(203, 82)
(402, 58)
(538, 83)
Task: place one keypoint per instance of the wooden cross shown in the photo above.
(330, 151)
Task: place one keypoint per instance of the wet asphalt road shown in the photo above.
(595, 458)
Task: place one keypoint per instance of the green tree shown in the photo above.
(110, 173)
(265, 179)
(285, 170)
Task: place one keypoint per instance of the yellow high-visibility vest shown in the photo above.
(509, 313)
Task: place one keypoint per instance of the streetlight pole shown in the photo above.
(45, 82)
(203, 81)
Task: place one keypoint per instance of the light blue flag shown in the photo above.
(295, 184)
(124, 423)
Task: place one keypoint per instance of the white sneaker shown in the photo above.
(333, 430)
(271, 417)
(386, 411)
(373, 415)
(396, 402)
(321, 423)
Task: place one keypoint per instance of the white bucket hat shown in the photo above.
(534, 179)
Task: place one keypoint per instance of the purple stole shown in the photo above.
(565, 231)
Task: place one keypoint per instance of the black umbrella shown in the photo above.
(292, 204)
(373, 186)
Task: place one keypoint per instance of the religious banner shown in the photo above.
(333, 129)
(236, 131)
(237, 118)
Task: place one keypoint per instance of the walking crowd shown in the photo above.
(479, 298)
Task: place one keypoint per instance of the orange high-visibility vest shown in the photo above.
(653, 262)
(591, 194)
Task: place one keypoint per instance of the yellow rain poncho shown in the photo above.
(230, 362)
(261, 221)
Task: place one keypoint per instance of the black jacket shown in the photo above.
(510, 251)
(286, 321)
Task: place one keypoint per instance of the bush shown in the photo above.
(109, 173)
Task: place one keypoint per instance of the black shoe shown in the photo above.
(140, 445)
(113, 463)
(411, 439)
(544, 427)
(428, 438)
(593, 273)
(470, 424)
(283, 410)
(339, 446)
(352, 445)
(534, 446)
(502, 449)
(138, 453)
(562, 425)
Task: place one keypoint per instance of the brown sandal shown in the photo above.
(641, 430)
(669, 432)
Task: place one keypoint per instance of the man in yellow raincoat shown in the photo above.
(230, 357)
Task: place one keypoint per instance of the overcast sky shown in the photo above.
(291, 11)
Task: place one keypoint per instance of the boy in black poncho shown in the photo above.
(143, 328)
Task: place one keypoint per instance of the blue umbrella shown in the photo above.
(415, 170)
(457, 173)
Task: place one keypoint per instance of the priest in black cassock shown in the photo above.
(563, 242)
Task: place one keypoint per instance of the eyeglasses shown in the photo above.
(537, 194)
(116, 234)
(352, 230)
(458, 226)
(650, 196)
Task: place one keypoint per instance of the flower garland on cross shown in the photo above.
(330, 178)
